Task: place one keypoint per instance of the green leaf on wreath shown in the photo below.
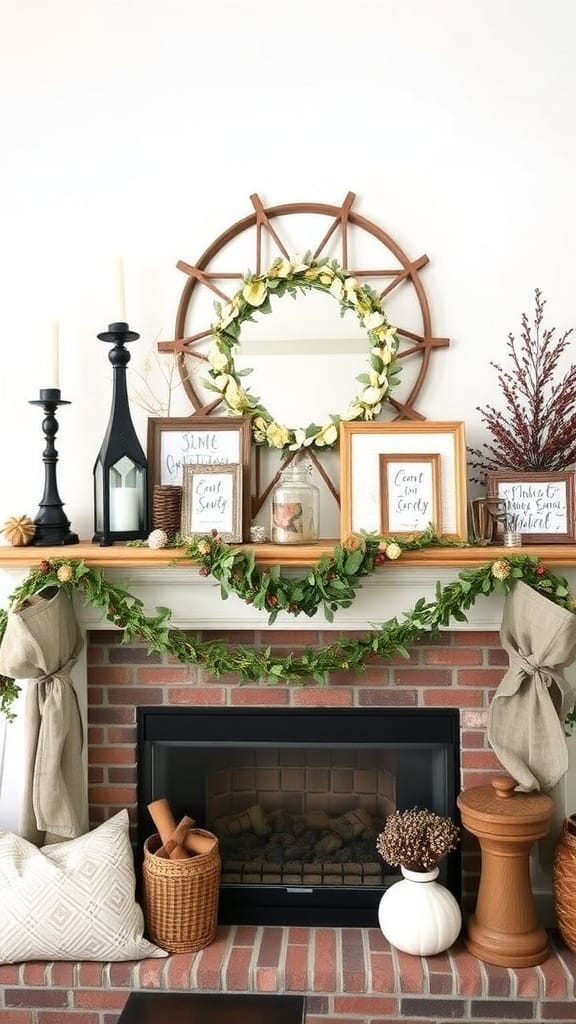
(353, 561)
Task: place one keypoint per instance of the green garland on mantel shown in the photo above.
(331, 584)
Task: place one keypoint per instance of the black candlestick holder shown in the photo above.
(52, 526)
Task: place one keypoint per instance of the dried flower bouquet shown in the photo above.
(417, 839)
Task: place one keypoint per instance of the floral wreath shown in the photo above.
(286, 276)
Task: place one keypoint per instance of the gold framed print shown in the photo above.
(437, 449)
(212, 500)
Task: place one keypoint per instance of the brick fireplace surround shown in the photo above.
(351, 975)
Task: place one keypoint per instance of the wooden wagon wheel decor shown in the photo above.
(264, 241)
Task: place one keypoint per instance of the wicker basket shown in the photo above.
(180, 897)
(564, 882)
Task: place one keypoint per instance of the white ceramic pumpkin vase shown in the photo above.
(419, 915)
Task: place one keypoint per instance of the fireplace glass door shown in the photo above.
(297, 798)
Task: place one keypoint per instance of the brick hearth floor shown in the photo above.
(349, 976)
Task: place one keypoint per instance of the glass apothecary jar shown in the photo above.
(295, 502)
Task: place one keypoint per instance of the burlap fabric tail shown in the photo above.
(41, 644)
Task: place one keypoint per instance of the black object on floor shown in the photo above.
(208, 1008)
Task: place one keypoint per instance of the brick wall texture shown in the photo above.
(348, 975)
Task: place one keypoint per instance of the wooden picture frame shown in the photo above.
(174, 442)
(410, 493)
(212, 500)
(540, 506)
(362, 444)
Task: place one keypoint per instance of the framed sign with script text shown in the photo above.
(175, 442)
(377, 461)
(212, 500)
(410, 493)
(540, 506)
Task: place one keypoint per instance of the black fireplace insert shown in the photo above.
(297, 797)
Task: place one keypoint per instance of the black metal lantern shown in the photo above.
(120, 471)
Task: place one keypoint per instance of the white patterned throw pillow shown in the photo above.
(71, 901)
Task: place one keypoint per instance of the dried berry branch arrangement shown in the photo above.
(536, 432)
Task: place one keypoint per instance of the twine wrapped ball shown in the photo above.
(158, 539)
(19, 531)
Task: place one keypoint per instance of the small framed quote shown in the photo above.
(410, 492)
(212, 500)
(540, 506)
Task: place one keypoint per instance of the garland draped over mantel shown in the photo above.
(332, 584)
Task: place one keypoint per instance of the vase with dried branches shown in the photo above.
(535, 430)
(417, 914)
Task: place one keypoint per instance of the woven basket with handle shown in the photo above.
(180, 897)
(564, 882)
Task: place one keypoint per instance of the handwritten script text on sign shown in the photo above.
(536, 506)
(196, 448)
(212, 503)
(408, 493)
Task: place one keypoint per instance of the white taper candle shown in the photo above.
(53, 367)
(120, 293)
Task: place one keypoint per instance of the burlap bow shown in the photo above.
(41, 644)
(525, 719)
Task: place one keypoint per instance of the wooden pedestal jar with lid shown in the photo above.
(504, 929)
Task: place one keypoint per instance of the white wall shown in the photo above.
(139, 128)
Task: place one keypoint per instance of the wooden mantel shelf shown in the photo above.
(119, 556)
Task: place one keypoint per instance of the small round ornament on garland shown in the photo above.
(19, 531)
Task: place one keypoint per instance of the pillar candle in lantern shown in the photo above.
(123, 509)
